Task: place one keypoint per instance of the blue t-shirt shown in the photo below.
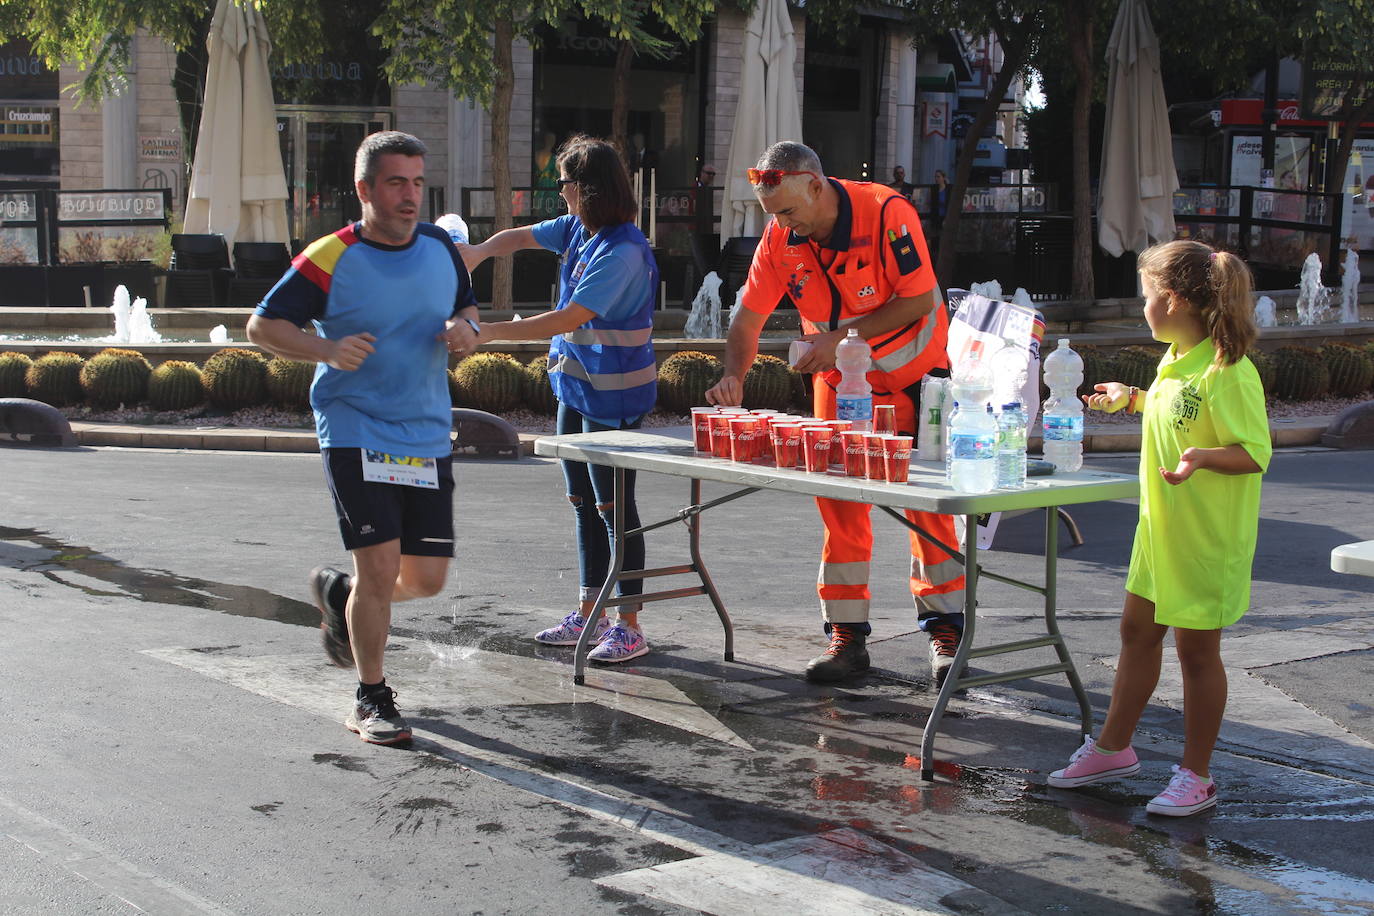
(613, 285)
(397, 401)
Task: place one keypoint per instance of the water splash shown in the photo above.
(219, 334)
(132, 323)
(1314, 299)
(1265, 315)
(1350, 286)
(704, 321)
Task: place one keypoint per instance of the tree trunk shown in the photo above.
(620, 97)
(1081, 49)
(504, 90)
(1014, 48)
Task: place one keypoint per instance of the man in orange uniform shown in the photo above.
(851, 255)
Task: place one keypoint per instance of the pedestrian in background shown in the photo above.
(601, 364)
(1205, 444)
(390, 300)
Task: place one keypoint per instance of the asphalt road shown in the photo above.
(174, 739)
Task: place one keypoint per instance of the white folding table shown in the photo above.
(926, 491)
(1356, 559)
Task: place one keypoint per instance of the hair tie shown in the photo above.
(1212, 257)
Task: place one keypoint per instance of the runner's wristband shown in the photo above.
(1130, 399)
(476, 328)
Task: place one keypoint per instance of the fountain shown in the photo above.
(1350, 286)
(1264, 312)
(1314, 299)
(219, 334)
(132, 322)
(704, 320)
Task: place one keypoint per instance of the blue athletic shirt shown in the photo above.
(397, 401)
(613, 285)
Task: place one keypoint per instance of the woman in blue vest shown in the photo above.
(601, 362)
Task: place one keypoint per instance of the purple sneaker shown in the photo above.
(1089, 765)
(1187, 793)
(569, 630)
(620, 644)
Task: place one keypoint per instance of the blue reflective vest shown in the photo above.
(606, 368)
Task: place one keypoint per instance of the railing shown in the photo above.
(1268, 227)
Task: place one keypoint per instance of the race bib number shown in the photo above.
(380, 467)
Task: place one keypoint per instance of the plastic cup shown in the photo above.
(855, 453)
(701, 429)
(787, 439)
(720, 434)
(816, 448)
(873, 457)
(837, 442)
(742, 432)
(885, 419)
(897, 458)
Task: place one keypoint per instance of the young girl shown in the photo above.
(1205, 444)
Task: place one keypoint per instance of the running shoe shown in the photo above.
(329, 587)
(570, 630)
(620, 643)
(374, 719)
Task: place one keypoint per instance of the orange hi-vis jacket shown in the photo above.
(876, 252)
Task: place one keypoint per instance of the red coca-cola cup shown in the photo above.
(720, 434)
(816, 447)
(837, 441)
(873, 457)
(742, 431)
(885, 419)
(855, 452)
(701, 429)
(787, 439)
(897, 458)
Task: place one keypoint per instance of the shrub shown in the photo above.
(1136, 365)
(1350, 368)
(1264, 365)
(13, 367)
(537, 392)
(490, 381)
(55, 378)
(1098, 366)
(684, 377)
(1299, 374)
(288, 382)
(235, 378)
(175, 385)
(768, 383)
(114, 377)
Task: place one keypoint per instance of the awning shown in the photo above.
(935, 78)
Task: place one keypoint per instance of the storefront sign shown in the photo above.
(936, 120)
(109, 206)
(18, 207)
(152, 147)
(1015, 199)
(30, 124)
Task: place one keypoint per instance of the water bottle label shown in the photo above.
(1064, 429)
(972, 446)
(855, 409)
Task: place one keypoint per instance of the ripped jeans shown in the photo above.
(590, 486)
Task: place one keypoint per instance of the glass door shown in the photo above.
(317, 147)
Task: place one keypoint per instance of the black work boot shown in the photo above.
(844, 658)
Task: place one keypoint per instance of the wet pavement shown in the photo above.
(175, 740)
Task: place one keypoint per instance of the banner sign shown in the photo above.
(936, 120)
(110, 206)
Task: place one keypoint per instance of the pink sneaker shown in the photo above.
(1187, 793)
(1088, 765)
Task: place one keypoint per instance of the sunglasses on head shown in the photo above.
(771, 178)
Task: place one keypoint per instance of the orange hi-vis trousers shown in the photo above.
(937, 579)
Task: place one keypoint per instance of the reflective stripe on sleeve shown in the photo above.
(606, 381)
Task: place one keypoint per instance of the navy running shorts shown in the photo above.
(373, 513)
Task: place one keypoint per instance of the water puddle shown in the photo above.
(98, 575)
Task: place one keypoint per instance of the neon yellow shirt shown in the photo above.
(1195, 542)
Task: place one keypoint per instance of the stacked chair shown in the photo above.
(199, 273)
(257, 268)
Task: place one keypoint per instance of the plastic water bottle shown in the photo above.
(1063, 416)
(1011, 447)
(455, 226)
(854, 396)
(973, 447)
(1010, 369)
(971, 385)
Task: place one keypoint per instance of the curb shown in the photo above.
(1284, 433)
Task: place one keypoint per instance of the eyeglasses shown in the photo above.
(771, 178)
(564, 182)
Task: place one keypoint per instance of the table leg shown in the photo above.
(1052, 516)
(612, 577)
(694, 544)
(952, 679)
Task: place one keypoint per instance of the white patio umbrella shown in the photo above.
(769, 110)
(238, 186)
(1138, 178)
